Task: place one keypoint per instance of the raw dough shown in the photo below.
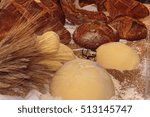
(117, 56)
(82, 80)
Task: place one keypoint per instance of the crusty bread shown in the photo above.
(77, 15)
(92, 35)
(129, 28)
(6, 22)
(130, 8)
(46, 15)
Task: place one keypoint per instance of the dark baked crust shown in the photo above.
(130, 8)
(129, 28)
(78, 15)
(46, 15)
(92, 35)
(100, 4)
(27, 8)
(7, 20)
(86, 2)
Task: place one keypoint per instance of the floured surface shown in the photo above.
(126, 93)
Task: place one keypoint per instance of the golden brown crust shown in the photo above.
(92, 35)
(61, 13)
(130, 8)
(129, 28)
(6, 22)
(77, 15)
(47, 14)
(100, 4)
(31, 7)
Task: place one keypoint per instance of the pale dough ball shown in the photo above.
(117, 56)
(82, 80)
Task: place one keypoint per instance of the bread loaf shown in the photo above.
(45, 15)
(76, 15)
(129, 28)
(92, 35)
(130, 8)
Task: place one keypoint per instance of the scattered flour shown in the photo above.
(128, 93)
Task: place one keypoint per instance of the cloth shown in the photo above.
(145, 1)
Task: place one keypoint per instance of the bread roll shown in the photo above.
(92, 35)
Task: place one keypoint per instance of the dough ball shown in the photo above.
(82, 80)
(117, 56)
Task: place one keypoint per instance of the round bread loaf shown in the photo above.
(92, 35)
